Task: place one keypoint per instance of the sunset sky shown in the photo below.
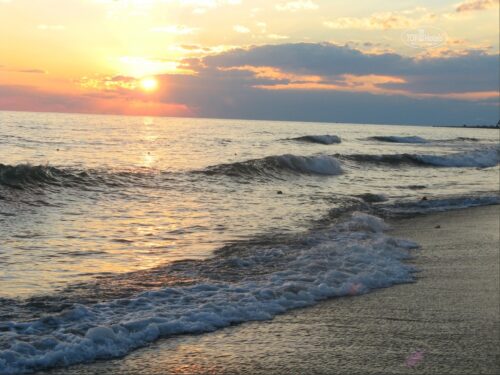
(418, 62)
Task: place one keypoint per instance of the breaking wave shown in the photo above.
(485, 158)
(273, 166)
(351, 258)
(321, 139)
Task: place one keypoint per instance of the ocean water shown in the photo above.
(115, 231)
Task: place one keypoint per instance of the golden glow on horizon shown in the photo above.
(149, 84)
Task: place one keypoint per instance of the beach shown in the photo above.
(447, 322)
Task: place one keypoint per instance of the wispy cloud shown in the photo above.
(277, 36)
(31, 71)
(175, 29)
(241, 29)
(295, 6)
(384, 20)
(203, 6)
(27, 71)
(475, 5)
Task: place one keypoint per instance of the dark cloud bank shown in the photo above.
(232, 93)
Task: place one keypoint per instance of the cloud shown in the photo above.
(296, 6)
(32, 71)
(175, 29)
(472, 72)
(384, 20)
(475, 5)
(26, 98)
(327, 82)
(203, 6)
(28, 71)
(297, 81)
(277, 36)
(241, 29)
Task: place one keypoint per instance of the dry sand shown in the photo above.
(445, 323)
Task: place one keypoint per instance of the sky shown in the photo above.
(402, 62)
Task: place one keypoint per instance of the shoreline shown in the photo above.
(444, 323)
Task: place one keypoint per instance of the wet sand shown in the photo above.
(447, 322)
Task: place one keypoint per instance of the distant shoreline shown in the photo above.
(467, 126)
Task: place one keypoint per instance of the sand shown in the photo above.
(447, 322)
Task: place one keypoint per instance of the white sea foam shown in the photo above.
(349, 259)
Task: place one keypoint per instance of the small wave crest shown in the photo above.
(321, 139)
(399, 139)
(466, 139)
(351, 258)
(273, 166)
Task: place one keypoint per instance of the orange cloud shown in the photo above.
(26, 98)
(384, 20)
(273, 73)
(346, 82)
(475, 5)
(371, 83)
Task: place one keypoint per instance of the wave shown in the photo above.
(27, 176)
(321, 139)
(273, 166)
(399, 139)
(485, 158)
(488, 157)
(466, 139)
(351, 258)
(416, 139)
(372, 198)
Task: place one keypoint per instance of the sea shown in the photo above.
(117, 231)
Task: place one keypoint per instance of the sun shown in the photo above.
(149, 84)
